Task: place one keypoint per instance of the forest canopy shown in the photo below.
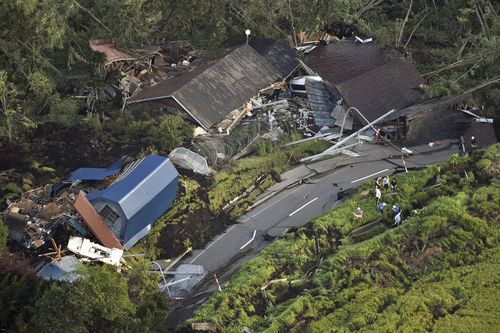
(44, 43)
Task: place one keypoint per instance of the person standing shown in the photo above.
(394, 185)
(380, 207)
(378, 193)
(386, 181)
(397, 219)
(379, 181)
(473, 143)
(358, 213)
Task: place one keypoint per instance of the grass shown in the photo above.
(441, 264)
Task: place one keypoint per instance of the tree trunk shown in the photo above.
(444, 102)
(400, 38)
(415, 29)
(459, 63)
(366, 7)
(92, 15)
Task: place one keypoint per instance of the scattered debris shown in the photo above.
(204, 327)
(112, 205)
(87, 249)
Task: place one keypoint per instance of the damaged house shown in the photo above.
(135, 199)
(366, 78)
(210, 92)
(97, 214)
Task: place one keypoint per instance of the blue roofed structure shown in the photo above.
(95, 173)
(137, 198)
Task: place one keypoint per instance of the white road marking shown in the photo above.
(245, 220)
(274, 203)
(251, 239)
(303, 206)
(373, 174)
(215, 241)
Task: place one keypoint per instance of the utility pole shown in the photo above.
(334, 149)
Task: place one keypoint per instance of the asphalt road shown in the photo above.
(290, 208)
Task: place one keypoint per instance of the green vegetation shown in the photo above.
(45, 133)
(101, 300)
(197, 215)
(437, 271)
(46, 58)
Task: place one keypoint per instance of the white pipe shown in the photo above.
(164, 280)
(315, 157)
(178, 281)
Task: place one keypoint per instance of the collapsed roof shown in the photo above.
(107, 47)
(432, 125)
(367, 79)
(210, 92)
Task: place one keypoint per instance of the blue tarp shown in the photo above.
(144, 192)
(60, 270)
(95, 173)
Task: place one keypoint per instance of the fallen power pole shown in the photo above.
(335, 148)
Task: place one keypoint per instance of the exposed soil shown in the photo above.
(199, 228)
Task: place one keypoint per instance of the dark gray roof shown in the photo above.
(277, 53)
(210, 92)
(390, 86)
(226, 85)
(344, 60)
(166, 88)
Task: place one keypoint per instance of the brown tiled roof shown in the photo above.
(95, 222)
(107, 47)
(341, 61)
(390, 86)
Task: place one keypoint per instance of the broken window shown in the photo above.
(109, 214)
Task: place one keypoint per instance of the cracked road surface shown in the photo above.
(290, 208)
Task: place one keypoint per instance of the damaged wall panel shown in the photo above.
(95, 222)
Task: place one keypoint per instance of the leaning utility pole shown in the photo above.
(333, 149)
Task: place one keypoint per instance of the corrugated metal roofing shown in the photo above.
(319, 103)
(344, 60)
(143, 194)
(95, 173)
(390, 86)
(95, 222)
(143, 183)
(225, 86)
(277, 53)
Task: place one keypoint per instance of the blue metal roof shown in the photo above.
(95, 173)
(144, 191)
